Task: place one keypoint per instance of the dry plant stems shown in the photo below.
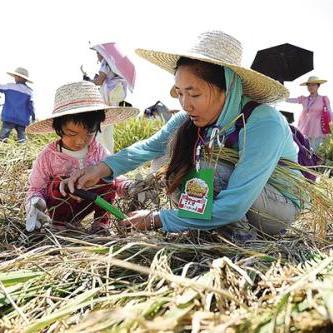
(71, 281)
(147, 295)
(315, 197)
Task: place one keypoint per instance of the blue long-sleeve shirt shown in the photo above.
(265, 140)
(18, 106)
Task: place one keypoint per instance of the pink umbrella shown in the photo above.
(118, 63)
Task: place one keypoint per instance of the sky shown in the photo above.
(51, 38)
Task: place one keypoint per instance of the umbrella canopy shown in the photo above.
(118, 63)
(285, 62)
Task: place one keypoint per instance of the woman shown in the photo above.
(116, 74)
(212, 88)
(113, 86)
(309, 122)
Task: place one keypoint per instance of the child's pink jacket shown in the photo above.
(51, 163)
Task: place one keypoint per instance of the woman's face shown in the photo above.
(202, 101)
(313, 88)
(76, 137)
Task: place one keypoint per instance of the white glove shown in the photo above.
(35, 209)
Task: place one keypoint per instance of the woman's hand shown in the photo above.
(142, 220)
(84, 178)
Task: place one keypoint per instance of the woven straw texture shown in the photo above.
(81, 97)
(219, 48)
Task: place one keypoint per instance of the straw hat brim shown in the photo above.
(314, 81)
(20, 75)
(113, 115)
(257, 86)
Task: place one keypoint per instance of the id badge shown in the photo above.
(196, 199)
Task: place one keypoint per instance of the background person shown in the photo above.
(309, 122)
(113, 85)
(18, 107)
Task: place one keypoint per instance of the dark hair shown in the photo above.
(91, 121)
(185, 139)
(211, 73)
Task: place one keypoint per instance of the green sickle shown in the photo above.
(99, 201)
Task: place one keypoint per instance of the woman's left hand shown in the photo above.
(141, 220)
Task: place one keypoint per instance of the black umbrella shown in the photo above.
(285, 62)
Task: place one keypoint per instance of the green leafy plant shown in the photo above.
(325, 150)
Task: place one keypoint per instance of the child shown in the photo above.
(18, 106)
(78, 113)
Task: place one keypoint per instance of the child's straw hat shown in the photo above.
(81, 97)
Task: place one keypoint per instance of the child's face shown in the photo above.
(76, 137)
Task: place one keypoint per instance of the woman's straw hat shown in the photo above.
(81, 97)
(21, 72)
(219, 48)
(313, 79)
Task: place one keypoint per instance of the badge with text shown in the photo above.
(196, 199)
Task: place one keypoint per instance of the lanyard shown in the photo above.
(197, 149)
(200, 143)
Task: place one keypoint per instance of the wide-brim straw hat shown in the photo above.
(313, 79)
(21, 72)
(79, 97)
(222, 49)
